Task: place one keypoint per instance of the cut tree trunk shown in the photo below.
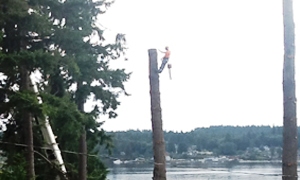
(159, 172)
(290, 140)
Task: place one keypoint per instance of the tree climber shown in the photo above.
(165, 59)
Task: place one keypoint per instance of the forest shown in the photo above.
(53, 58)
(221, 140)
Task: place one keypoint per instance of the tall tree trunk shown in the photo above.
(82, 171)
(83, 157)
(290, 140)
(27, 120)
(159, 172)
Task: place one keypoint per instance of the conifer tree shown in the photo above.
(94, 77)
(23, 29)
(53, 38)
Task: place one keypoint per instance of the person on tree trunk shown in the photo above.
(165, 59)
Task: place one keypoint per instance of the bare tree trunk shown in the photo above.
(82, 156)
(290, 140)
(159, 172)
(82, 171)
(27, 120)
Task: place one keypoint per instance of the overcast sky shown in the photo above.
(227, 59)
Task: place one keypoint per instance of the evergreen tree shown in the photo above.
(54, 38)
(23, 29)
(91, 75)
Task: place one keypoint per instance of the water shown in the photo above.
(233, 172)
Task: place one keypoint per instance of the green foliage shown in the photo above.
(54, 38)
(222, 140)
(15, 170)
(97, 169)
(132, 143)
(227, 148)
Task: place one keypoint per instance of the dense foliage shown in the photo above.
(59, 42)
(221, 140)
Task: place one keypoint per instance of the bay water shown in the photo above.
(247, 171)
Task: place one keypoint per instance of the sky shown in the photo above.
(226, 56)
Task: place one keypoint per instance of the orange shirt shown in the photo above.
(167, 54)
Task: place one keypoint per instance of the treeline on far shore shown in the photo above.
(221, 140)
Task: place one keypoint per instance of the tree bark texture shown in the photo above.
(159, 172)
(83, 156)
(27, 120)
(82, 171)
(290, 139)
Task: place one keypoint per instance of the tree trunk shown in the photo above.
(82, 171)
(83, 157)
(27, 120)
(290, 140)
(159, 172)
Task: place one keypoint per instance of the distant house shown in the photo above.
(118, 161)
(205, 153)
(168, 157)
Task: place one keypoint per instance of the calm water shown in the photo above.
(233, 172)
